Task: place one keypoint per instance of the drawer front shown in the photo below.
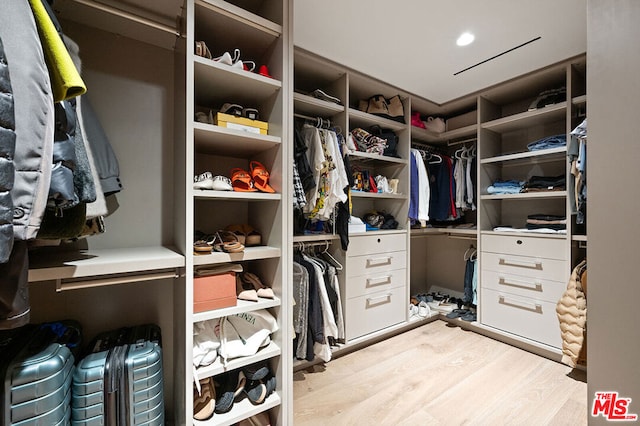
(376, 263)
(530, 318)
(373, 312)
(526, 286)
(533, 267)
(374, 282)
(549, 248)
(379, 243)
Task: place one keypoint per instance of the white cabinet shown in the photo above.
(374, 293)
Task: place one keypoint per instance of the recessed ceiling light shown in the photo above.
(465, 39)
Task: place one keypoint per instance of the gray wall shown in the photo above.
(613, 87)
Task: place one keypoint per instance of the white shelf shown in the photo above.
(204, 194)
(217, 83)
(229, 15)
(379, 232)
(358, 118)
(376, 195)
(241, 410)
(526, 234)
(527, 118)
(553, 154)
(249, 253)
(211, 139)
(242, 306)
(463, 232)
(424, 135)
(379, 159)
(579, 100)
(315, 237)
(525, 195)
(305, 104)
(579, 238)
(46, 264)
(271, 350)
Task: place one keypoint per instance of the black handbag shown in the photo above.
(390, 136)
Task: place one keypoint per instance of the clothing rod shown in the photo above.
(130, 16)
(75, 285)
(302, 244)
(462, 141)
(307, 117)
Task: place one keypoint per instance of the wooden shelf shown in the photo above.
(545, 155)
(525, 195)
(358, 118)
(249, 253)
(242, 306)
(308, 105)
(379, 159)
(212, 139)
(204, 194)
(527, 118)
(217, 83)
(241, 410)
(424, 135)
(376, 195)
(217, 367)
(46, 264)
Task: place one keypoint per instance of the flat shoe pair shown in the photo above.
(246, 234)
(249, 287)
(207, 181)
(257, 180)
(204, 401)
(224, 241)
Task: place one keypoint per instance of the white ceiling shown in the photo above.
(411, 43)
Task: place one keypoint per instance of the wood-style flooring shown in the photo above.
(439, 374)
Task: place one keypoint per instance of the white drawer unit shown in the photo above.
(523, 286)
(377, 243)
(534, 267)
(376, 263)
(372, 312)
(374, 282)
(375, 285)
(548, 248)
(526, 317)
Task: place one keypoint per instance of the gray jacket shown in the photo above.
(7, 151)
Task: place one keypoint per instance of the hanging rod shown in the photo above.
(130, 16)
(88, 283)
(303, 244)
(462, 141)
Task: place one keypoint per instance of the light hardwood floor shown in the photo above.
(439, 374)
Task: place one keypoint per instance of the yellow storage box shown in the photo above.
(242, 123)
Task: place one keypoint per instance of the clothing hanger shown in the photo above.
(469, 252)
(329, 258)
(437, 156)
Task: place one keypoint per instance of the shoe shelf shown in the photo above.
(242, 306)
(45, 264)
(377, 195)
(211, 139)
(204, 194)
(217, 367)
(378, 160)
(521, 120)
(241, 410)
(220, 81)
(358, 118)
(233, 20)
(305, 104)
(525, 195)
(544, 155)
(423, 135)
(249, 253)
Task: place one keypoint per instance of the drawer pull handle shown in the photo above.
(536, 264)
(537, 286)
(379, 261)
(380, 300)
(372, 282)
(533, 307)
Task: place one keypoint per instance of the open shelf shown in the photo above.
(234, 19)
(525, 195)
(217, 367)
(211, 139)
(424, 135)
(249, 253)
(315, 237)
(376, 195)
(380, 160)
(527, 118)
(553, 154)
(358, 118)
(557, 235)
(242, 306)
(305, 104)
(235, 195)
(241, 410)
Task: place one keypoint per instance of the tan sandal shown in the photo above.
(230, 242)
(250, 279)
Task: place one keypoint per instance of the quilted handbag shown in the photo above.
(390, 136)
(367, 142)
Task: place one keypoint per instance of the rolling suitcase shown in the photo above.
(37, 368)
(121, 381)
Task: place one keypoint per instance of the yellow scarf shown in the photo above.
(65, 79)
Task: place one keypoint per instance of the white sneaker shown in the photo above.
(423, 310)
(203, 181)
(221, 183)
(413, 310)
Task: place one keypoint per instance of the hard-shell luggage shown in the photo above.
(121, 381)
(36, 368)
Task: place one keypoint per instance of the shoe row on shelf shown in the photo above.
(254, 180)
(233, 61)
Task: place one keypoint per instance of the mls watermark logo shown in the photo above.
(612, 407)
